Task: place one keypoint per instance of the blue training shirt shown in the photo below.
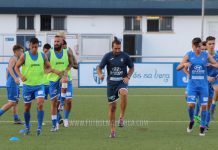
(116, 65)
(212, 71)
(10, 80)
(198, 69)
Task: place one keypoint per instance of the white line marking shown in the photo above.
(149, 121)
(4, 96)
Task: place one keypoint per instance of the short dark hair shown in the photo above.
(115, 41)
(34, 40)
(204, 43)
(47, 46)
(57, 36)
(17, 47)
(210, 38)
(196, 41)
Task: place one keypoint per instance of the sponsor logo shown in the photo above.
(35, 65)
(59, 63)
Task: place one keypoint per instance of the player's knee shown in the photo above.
(209, 103)
(27, 108)
(12, 104)
(67, 101)
(204, 107)
(191, 105)
(40, 106)
(113, 108)
(123, 92)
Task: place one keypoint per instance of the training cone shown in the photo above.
(14, 139)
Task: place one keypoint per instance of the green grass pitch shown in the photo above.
(163, 110)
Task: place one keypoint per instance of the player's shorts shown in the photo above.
(54, 89)
(32, 92)
(198, 92)
(46, 91)
(113, 90)
(69, 93)
(13, 93)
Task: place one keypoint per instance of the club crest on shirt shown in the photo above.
(121, 59)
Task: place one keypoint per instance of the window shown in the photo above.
(157, 24)
(59, 23)
(49, 23)
(26, 22)
(45, 23)
(133, 23)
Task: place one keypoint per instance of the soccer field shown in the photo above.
(162, 113)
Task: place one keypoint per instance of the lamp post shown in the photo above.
(202, 18)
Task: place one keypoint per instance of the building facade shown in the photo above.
(150, 30)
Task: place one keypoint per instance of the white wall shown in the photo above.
(8, 24)
(175, 43)
(96, 25)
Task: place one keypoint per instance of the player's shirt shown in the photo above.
(212, 71)
(33, 68)
(10, 80)
(116, 66)
(58, 61)
(198, 69)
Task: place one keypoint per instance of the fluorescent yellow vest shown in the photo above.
(33, 70)
(58, 64)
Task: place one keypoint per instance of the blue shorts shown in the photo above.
(13, 93)
(198, 92)
(54, 89)
(32, 92)
(46, 91)
(69, 93)
(113, 90)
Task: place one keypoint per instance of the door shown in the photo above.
(132, 45)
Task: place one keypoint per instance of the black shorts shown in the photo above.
(113, 90)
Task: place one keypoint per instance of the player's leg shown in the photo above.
(54, 102)
(68, 103)
(215, 97)
(59, 117)
(64, 85)
(203, 97)
(54, 91)
(191, 101)
(13, 96)
(6, 107)
(67, 109)
(15, 107)
(123, 91)
(61, 100)
(112, 94)
(40, 94)
(28, 96)
(27, 107)
(112, 120)
(210, 99)
(15, 114)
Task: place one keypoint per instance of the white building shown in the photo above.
(158, 30)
